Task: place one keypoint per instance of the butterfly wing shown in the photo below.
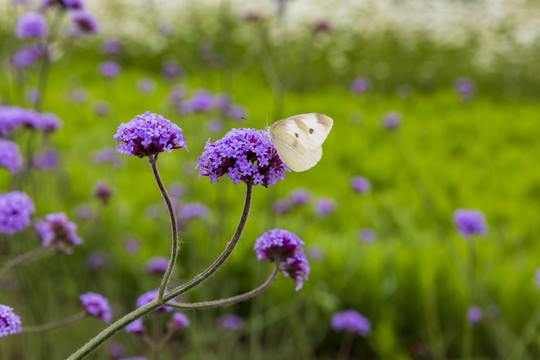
(298, 139)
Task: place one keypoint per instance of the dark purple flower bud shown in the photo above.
(98, 260)
(360, 85)
(392, 120)
(286, 248)
(179, 321)
(31, 25)
(367, 235)
(171, 70)
(360, 184)
(59, 233)
(97, 305)
(148, 134)
(15, 211)
(47, 161)
(10, 323)
(136, 327)
(325, 207)
(351, 321)
(10, 156)
(103, 193)
(245, 155)
(157, 265)
(85, 23)
(299, 197)
(231, 322)
(474, 314)
(470, 222)
(149, 297)
(109, 69)
(112, 46)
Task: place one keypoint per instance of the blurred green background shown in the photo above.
(449, 152)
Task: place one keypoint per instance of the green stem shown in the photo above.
(57, 324)
(224, 255)
(228, 301)
(174, 229)
(22, 258)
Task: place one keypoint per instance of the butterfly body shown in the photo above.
(298, 139)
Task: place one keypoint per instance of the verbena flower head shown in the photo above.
(392, 120)
(360, 85)
(360, 184)
(85, 23)
(98, 260)
(236, 112)
(470, 222)
(281, 206)
(474, 314)
(136, 327)
(171, 70)
(59, 233)
(11, 117)
(103, 192)
(202, 101)
(49, 122)
(146, 86)
(131, 245)
(102, 107)
(245, 155)
(179, 321)
(299, 197)
(96, 305)
(465, 88)
(367, 235)
(31, 25)
(116, 350)
(65, 4)
(285, 247)
(15, 211)
(10, 156)
(325, 207)
(109, 69)
(28, 56)
(149, 297)
(215, 125)
(10, 323)
(157, 265)
(148, 134)
(231, 322)
(112, 46)
(193, 210)
(352, 321)
(46, 161)
(33, 95)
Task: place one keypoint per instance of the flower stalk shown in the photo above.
(57, 324)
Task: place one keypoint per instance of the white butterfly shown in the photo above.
(298, 139)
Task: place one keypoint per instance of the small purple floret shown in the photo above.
(470, 222)
(245, 155)
(351, 321)
(97, 305)
(10, 323)
(57, 232)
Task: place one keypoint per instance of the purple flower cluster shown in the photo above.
(136, 327)
(10, 323)
(31, 25)
(465, 88)
(392, 120)
(179, 321)
(148, 134)
(96, 305)
(360, 184)
(286, 248)
(146, 86)
(325, 207)
(85, 23)
(296, 198)
(245, 155)
(46, 161)
(474, 314)
(57, 232)
(201, 101)
(367, 235)
(360, 85)
(103, 192)
(12, 117)
(112, 46)
(109, 69)
(157, 265)
(193, 210)
(231, 322)
(49, 122)
(15, 211)
(10, 156)
(65, 4)
(171, 70)
(149, 297)
(98, 260)
(28, 56)
(470, 222)
(352, 321)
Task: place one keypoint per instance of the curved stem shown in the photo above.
(22, 258)
(57, 324)
(224, 255)
(174, 229)
(228, 301)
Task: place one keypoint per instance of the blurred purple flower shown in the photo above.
(351, 321)
(215, 125)
(131, 245)
(103, 192)
(31, 25)
(85, 23)
(148, 134)
(97, 305)
(10, 156)
(49, 122)
(392, 120)
(315, 253)
(136, 327)
(10, 119)
(112, 46)
(202, 101)
(236, 112)
(47, 161)
(146, 86)
(149, 297)
(177, 190)
(98, 260)
(285, 247)
(325, 207)
(15, 211)
(470, 222)
(177, 95)
(33, 96)
(222, 102)
(102, 108)
(245, 155)
(65, 4)
(157, 265)
(116, 350)
(83, 211)
(10, 323)
(109, 69)
(231, 322)
(474, 314)
(105, 156)
(78, 96)
(322, 26)
(299, 197)
(360, 184)
(179, 321)
(281, 206)
(28, 56)
(59, 233)
(166, 29)
(171, 70)
(360, 85)
(367, 235)
(193, 210)
(465, 88)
